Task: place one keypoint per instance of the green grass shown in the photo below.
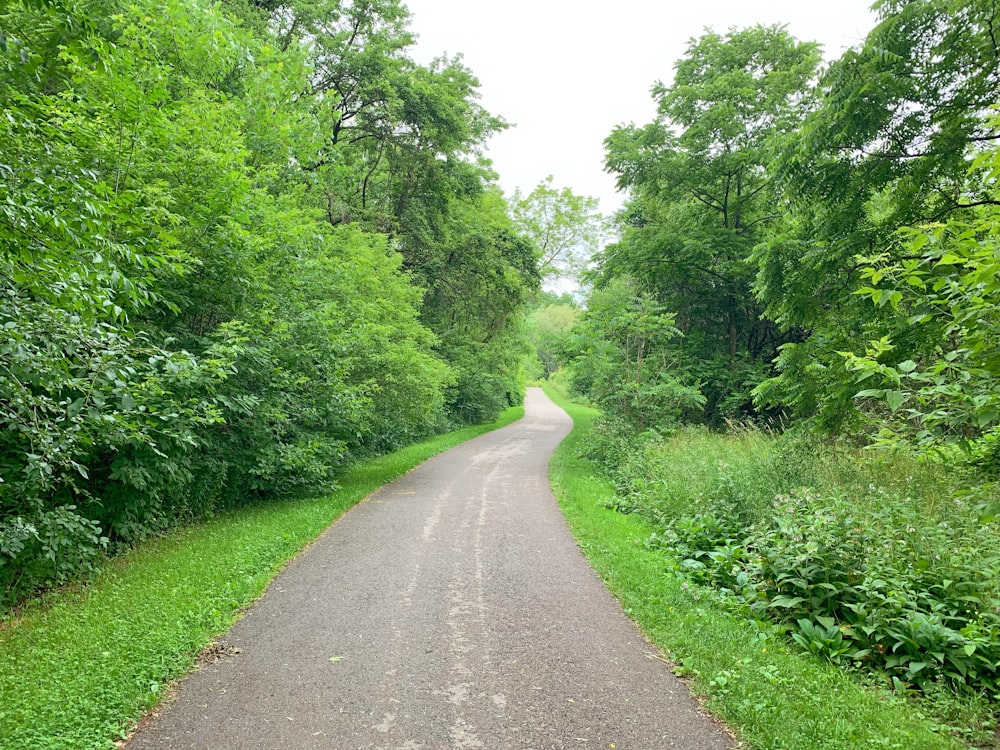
(80, 667)
(695, 466)
(772, 697)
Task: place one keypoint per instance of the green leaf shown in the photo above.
(949, 259)
(915, 666)
(870, 393)
(895, 399)
(787, 601)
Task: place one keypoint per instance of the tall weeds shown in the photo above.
(876, 561)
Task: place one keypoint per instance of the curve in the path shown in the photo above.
(452, 609)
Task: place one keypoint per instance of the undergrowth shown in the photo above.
(867, 561)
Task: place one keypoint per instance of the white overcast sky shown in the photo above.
(566, 72)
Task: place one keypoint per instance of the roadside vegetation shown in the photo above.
(246, 246)
(793, 345)
(748, 672)
(81, 665)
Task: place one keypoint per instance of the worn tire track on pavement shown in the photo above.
(452, 609)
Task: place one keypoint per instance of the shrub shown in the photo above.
(911, 595)
(872, 566)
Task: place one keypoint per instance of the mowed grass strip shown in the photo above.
(80, 668)
(772, 697)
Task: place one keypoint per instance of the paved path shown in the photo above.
(450, 610)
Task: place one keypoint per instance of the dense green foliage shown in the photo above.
(826, 238)
(902, 141)
(749, 675)
(549, 324)
(703, 195)
(866, 560)
(241, 245)
(624, 359)
(937, 370)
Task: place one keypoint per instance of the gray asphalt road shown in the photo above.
(452, 609)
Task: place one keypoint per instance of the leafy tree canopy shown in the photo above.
(702, 196)
(567, 229)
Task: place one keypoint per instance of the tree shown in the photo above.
(84, 248)
(241, 245)
(393, 127)
(478, 275)
(889, 146)
(549, 329)
(567, 229)
(702, 196)
(943, 385)
(401, 157)
(623, 359)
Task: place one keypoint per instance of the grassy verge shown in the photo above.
(773, 698)
(79, 668)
